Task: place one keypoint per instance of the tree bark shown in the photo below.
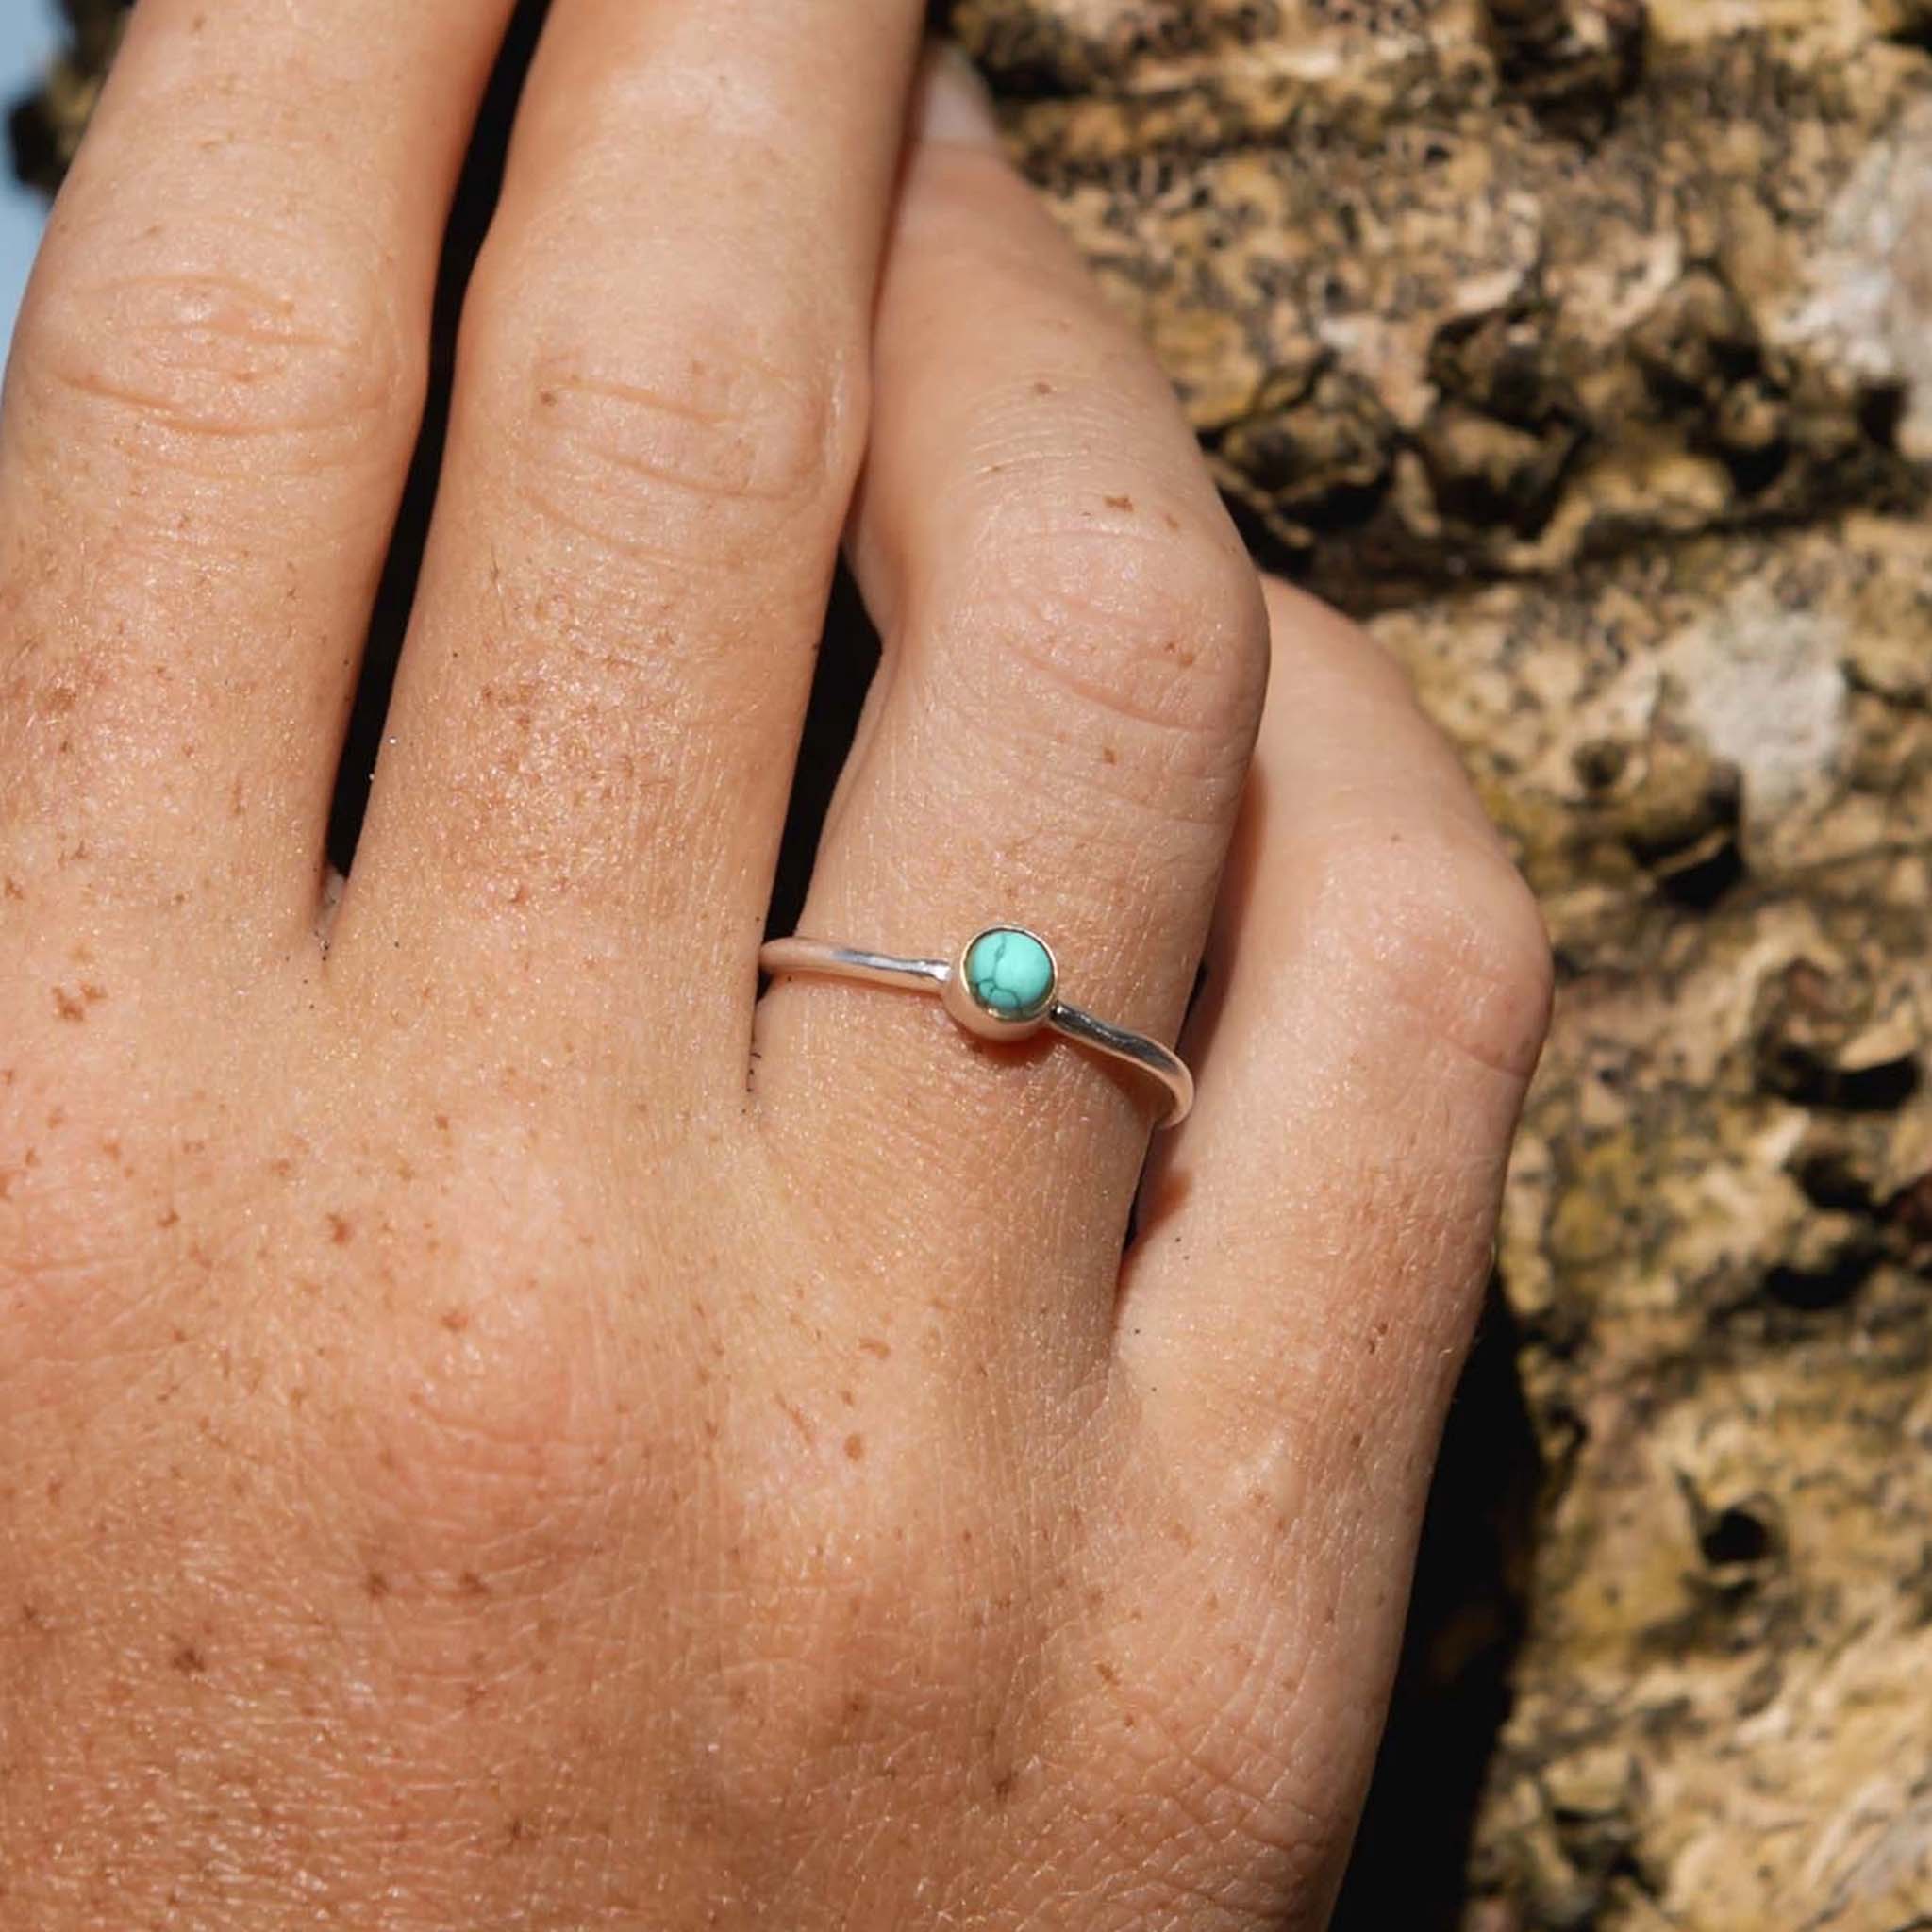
(1585, 348)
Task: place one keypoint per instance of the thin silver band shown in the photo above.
(934, 976)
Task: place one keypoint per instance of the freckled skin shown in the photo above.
(410, 1472)
(466, 1459)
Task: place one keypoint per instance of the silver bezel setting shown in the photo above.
(947, 979)
(964, 1005)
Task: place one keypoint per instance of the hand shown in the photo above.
(469, 1459)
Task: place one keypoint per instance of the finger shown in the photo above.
(215, 386)
(1311, 1248)
(1315, 1240)
(1075, 654)
(660, 406)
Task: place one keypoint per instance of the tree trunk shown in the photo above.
(1585, 347)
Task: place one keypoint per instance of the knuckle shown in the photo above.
(1164, 631)
(875, 1637)
(1446, 931)
(320, 363)
(657, 444)
(488, 1413)
(496, 1412)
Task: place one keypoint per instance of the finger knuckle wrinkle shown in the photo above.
(631, 450)
(1452, 936)
(1167, 634)
(500, 1424)
(204, 355)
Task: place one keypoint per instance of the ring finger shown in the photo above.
(1074, 664)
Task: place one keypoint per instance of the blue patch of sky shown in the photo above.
(30, 32)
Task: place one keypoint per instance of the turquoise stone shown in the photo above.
(1010, 973)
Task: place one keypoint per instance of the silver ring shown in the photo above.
(1001, 984)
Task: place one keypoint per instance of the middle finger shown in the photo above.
(658, 415)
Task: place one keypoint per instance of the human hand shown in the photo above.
(471, 1457)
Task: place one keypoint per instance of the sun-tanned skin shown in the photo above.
(470, 1455)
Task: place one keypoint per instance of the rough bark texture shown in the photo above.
(1589, 345)
(1585, 345)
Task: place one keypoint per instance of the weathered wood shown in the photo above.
(1587, 348)
(1590, 344)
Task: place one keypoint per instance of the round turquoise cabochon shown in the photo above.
(1010, 973)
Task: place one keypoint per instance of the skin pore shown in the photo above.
(470, 1453)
